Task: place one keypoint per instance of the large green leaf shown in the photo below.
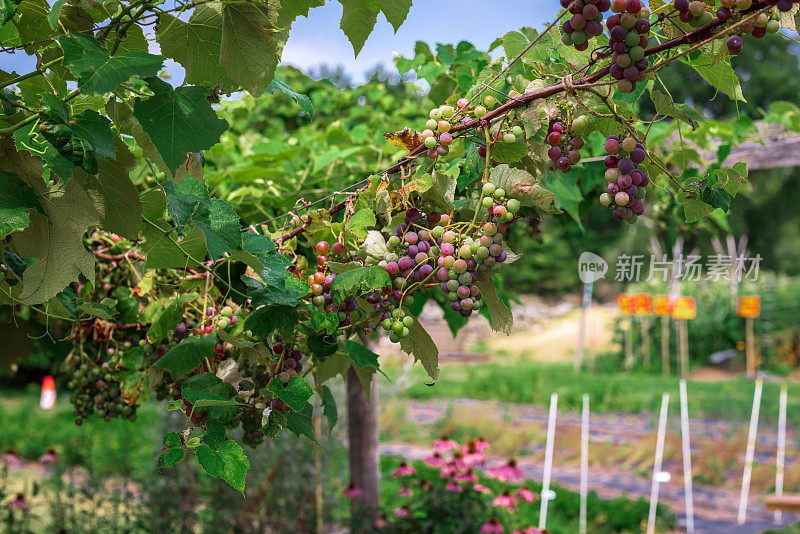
(358, 282)
(227, 461)
(265, 320)
(359, 18)
(178, 121)
(420, 344)
(301, 423)
(295, 393)
(16, 201)
(500, 316)
(169, 317)
(184, 198)
(165, 250)
(113, 193)
(187, 355)
(220, 224)
(302, 100)
(665, 106)
(99, 72)
(251, 43)
(276, 285)
(56, 240)
(195, 44)
(523, 186)
(8, 8)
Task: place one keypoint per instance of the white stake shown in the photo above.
(548, 461)
(687, 458)
(657, 475)
(751, 449)
(779, 459)
(584, 491)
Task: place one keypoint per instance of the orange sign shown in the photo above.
(662, 305)
(627, 304)
(749, 307)
(683, 308)
(643, 304)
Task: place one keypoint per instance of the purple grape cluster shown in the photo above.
(694, 12)
(288, 363)
(586, 21)
(565, 147)
(626, 183)
(628, 38)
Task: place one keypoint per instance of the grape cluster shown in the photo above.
(251, 427)
(762, 25)
(437, 137)
(585, 23)
(95, 389)
(695, 12)
(322, 279)
(397, 325)
(628, 38)
(565, 147)
(626, 183)
(288, 364)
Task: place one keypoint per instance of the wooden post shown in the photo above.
(751, 347)
(362, 429)
(750, 452)
(684, 346)
(662, 431)
(318, 470)
(546, 495)
(586, 302)
(584, 488)
(646, 341)
(781, 455)
(629, 345)
(687, 458)
(665, 346)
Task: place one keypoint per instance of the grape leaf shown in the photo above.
(234, 464)
(36, 144)
(265, 320)
(501, 319)
(720, 75)
(329, 407)
(178, 121)
(187, 355)
(301, 424)
(665, 106)
(16, 201)
(184, 198)
(421, 346)
(509, 152)
(97, 71)
(295, 393)
(361, 355)
(276, 285)
(358, 282)
(165, 251)
(359, 18)
(56, 240)
(251, 43)
(302, 100)
(170, 457)
(220, 224)
(567, 193)
(196, 44)
(209, 460)
(8, 8)
(113, 193)
(360, 222)
(122, 115)
(96, 129)
(522, 185)
(169, 317)
(55, 12)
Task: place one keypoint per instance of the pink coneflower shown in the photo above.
(471, 459)
(352, 491)
(444, 444)
(507, 473)
(505, 500)
(468, 476)
(481, 444)
(49, 458)
(405, 492)
(19, 503)
(403, 470)
(527, 495)
(452, 486)
(434, 460)
(457, 462)
(401, 512)
(9, 458)
(481, 488)
(447, 471)
(492, 526)
(381, 522)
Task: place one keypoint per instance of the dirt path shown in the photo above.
(715, 508)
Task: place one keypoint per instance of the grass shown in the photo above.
(533, 382)
(114, 447)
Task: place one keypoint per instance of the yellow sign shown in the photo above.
(684, 308)
(643, 304)
(749, 307)
(627, 305)
(662, 305)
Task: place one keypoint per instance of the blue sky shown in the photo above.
(317, 39)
